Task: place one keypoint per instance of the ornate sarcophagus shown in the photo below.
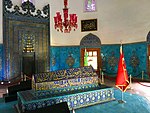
(65, 78)
(77, 86)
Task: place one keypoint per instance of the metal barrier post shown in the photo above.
(102, 82)
(130, 84)
(142, 75)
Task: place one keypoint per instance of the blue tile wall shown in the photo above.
(59, 55)
(1, 62)
(110, 57)
(139, 51)
(109, 53)
(135, 57)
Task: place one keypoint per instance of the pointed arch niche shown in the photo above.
(26, 39)
(92, 44)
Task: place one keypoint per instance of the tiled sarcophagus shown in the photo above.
(77, 86)
(65, 78)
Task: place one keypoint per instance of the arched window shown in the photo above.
(90, 5)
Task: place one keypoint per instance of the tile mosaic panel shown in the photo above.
(135, 57)
(1, 63)
(59, 57)
(74, 100)
(65, 78)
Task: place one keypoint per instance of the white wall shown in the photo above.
(126, 20)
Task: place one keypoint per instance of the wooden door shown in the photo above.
(93, 53)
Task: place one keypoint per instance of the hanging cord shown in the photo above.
(114, 79)
(15, 81)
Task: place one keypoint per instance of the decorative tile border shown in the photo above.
(76, 100)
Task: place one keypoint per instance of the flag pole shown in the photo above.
(122, 95)
(73, 111)
(85, 58)
(122, 76)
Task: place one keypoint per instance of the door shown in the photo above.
(28, 64)
(93, 58)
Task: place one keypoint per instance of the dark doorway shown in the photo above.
(28, 64)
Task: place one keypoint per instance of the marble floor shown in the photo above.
(139, 88)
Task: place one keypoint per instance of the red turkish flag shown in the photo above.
(122, 75)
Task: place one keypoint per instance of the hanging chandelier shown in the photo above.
(67, 24)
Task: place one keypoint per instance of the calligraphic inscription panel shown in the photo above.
(89, 25)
